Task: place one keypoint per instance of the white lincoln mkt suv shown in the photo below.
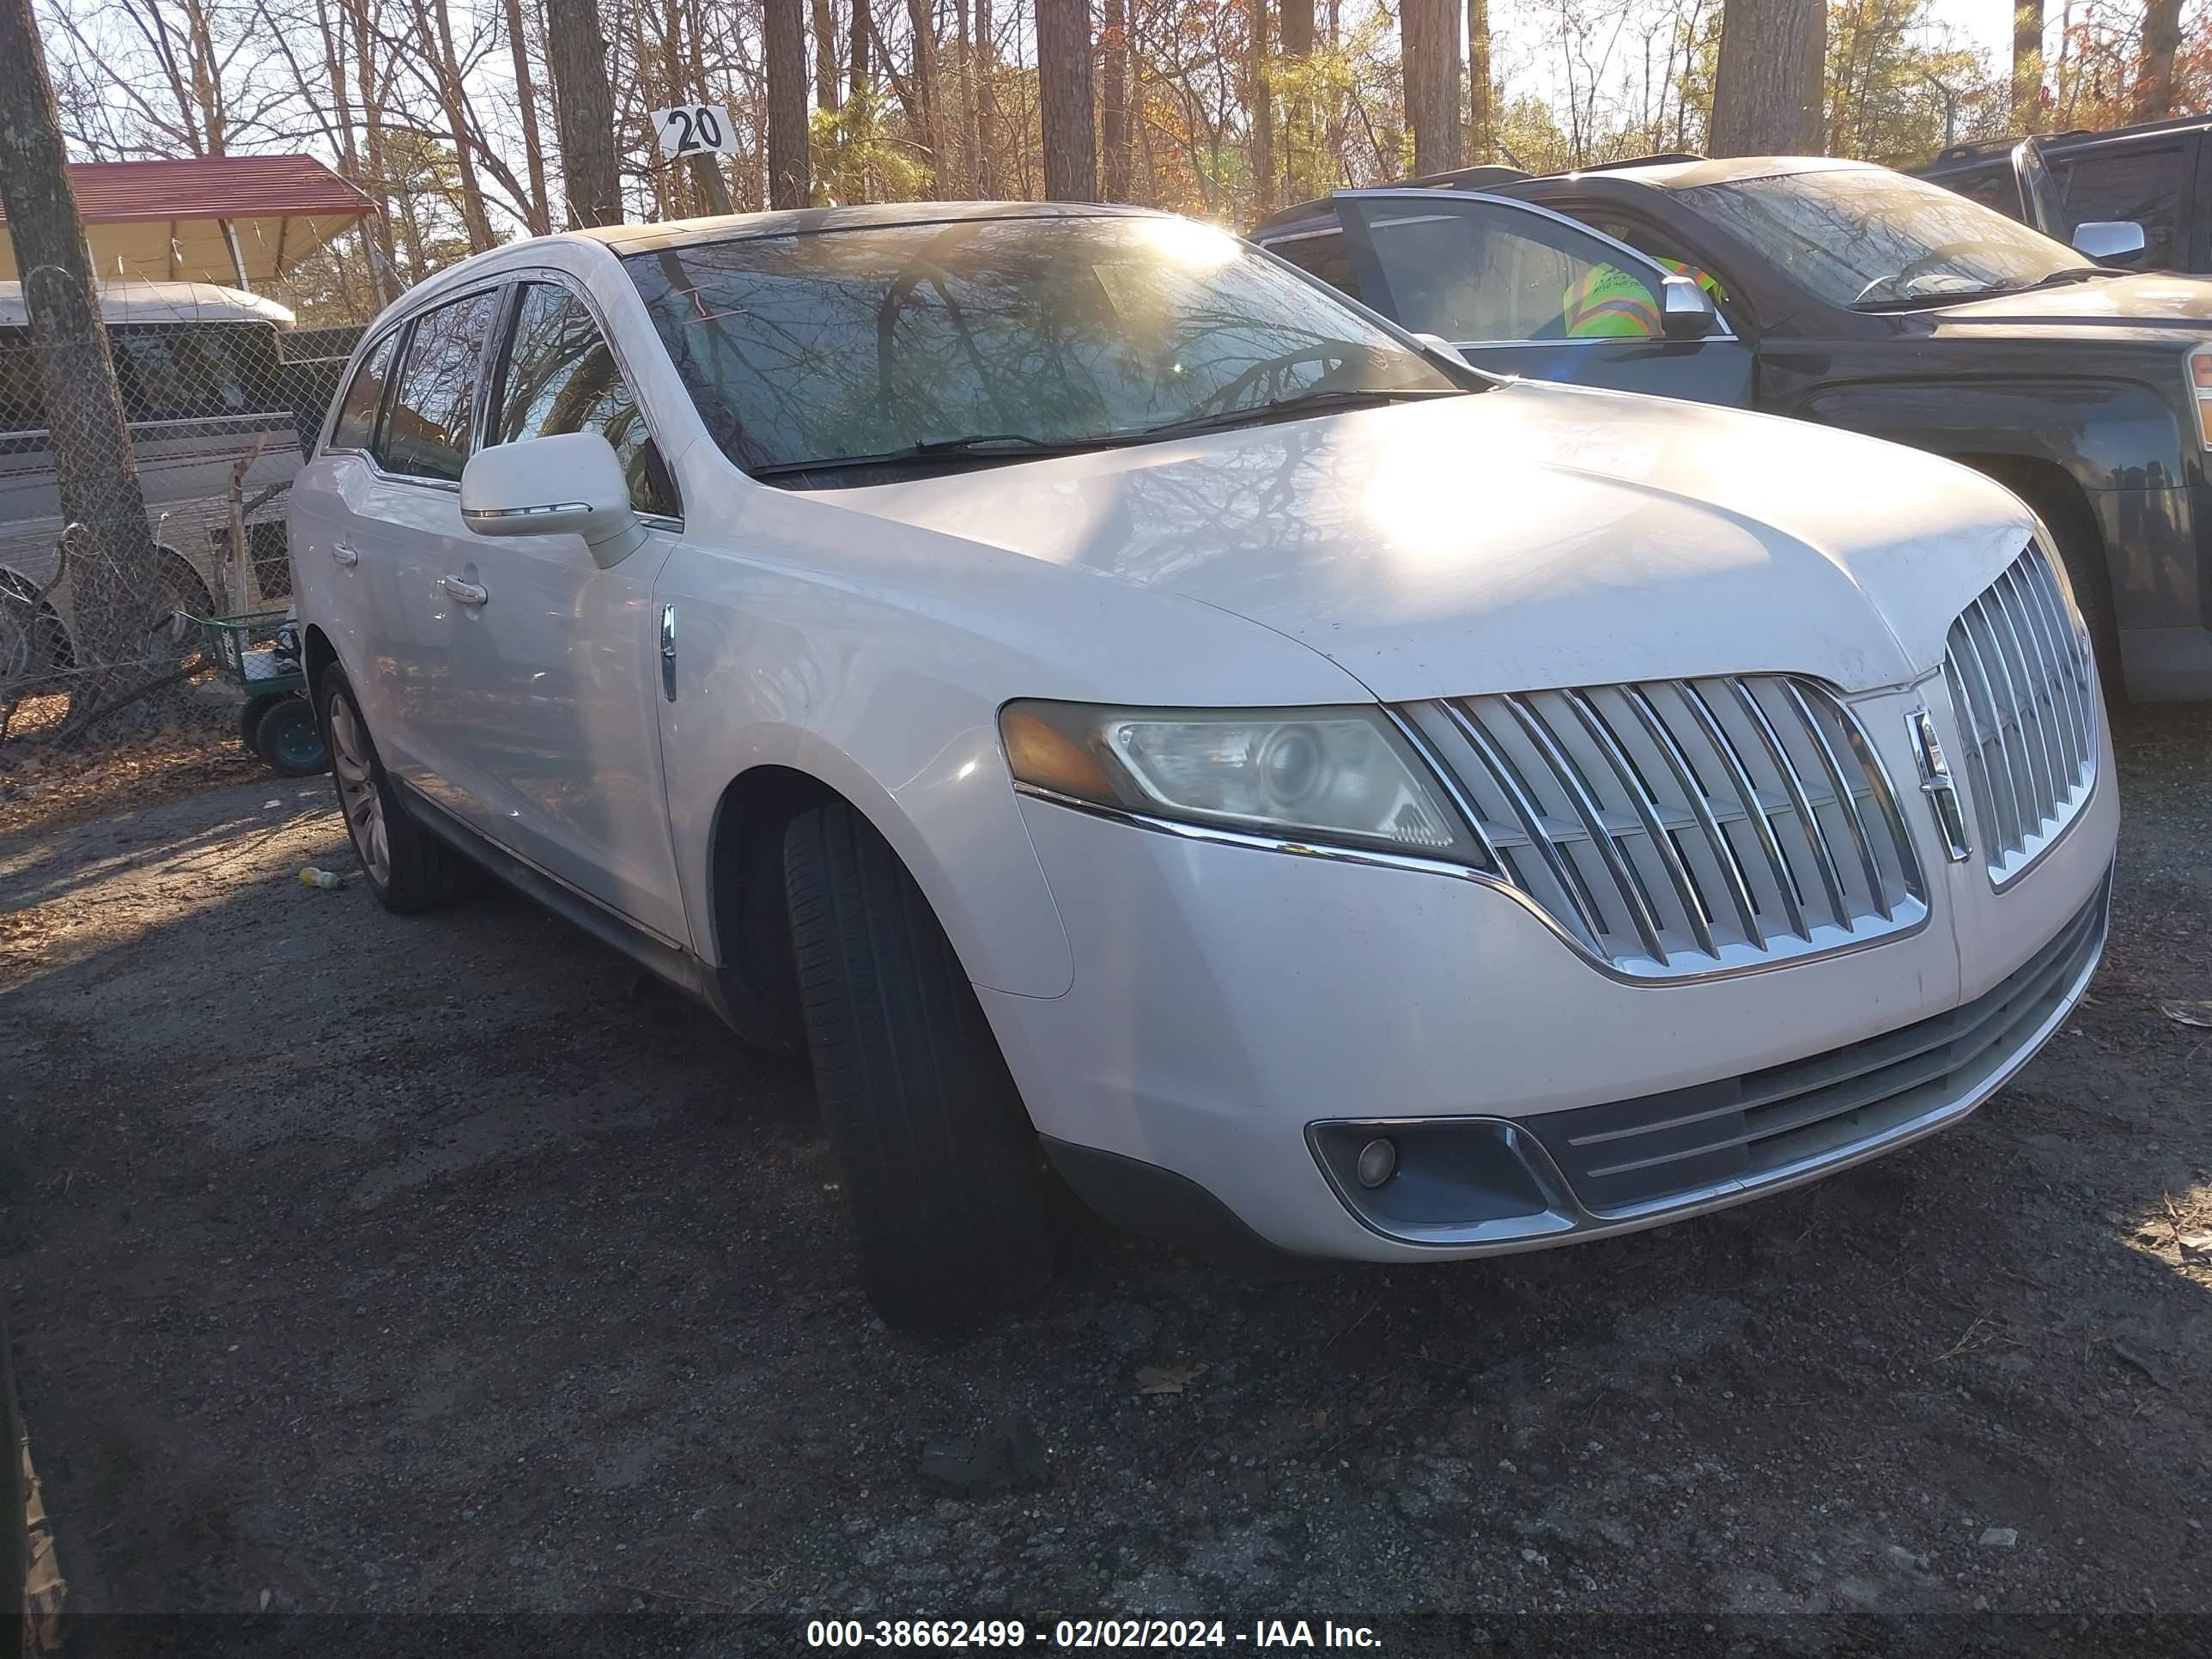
(1125, 708)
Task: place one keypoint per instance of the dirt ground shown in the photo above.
(360, 1265)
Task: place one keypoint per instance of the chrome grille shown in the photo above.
(2025, 694)
(1682, 827)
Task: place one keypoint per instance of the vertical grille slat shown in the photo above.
(1576, 791)
(1640, 804)
(1847, 800)
(1531, 819)
(1762, 829)
(2023, 692)
(1647, 812)
(1816, 837)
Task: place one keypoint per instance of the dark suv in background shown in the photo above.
(1846, 293)
(2159, 177)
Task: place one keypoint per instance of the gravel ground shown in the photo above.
(360, 1265)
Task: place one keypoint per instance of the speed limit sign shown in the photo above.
(695, 130)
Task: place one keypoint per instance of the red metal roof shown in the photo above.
(211, 187)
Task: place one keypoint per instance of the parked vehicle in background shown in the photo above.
(2158, 177)
(1848, 294)
(1114, 700)
(207, 389)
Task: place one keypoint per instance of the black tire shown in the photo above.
(289, 739)
(249, 719)
(420, 872)
(941, 1167)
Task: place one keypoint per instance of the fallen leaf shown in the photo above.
(2199, 1249)
(2187, 1013)
(1318, 1417)
(264, 1601)
(1167, 1379)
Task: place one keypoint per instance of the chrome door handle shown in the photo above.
(461, 593)
(344, 554)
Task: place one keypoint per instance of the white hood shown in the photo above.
(1532, 536)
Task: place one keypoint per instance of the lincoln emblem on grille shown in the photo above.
(1935, 778)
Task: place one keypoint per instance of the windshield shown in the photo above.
(1013, 332)
(1863, 236)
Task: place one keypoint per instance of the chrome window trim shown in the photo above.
(1375, 858)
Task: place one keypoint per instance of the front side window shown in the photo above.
(1995, 185)
(2137, 183)
(561, 376)
(356, 426)
(1015, 332)
(426, 431)
(1865, 236)
(1475, 273)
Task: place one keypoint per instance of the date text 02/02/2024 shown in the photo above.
(1079, 1633)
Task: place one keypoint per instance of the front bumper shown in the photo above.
(1229, 1002)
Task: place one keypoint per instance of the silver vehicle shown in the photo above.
(216, 413)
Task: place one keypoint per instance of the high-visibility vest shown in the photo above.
(1609, 303)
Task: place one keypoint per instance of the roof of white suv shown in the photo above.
(675, 232)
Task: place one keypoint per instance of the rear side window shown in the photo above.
(2143, 185)
(1995, 185)
(426, 430)
(355, 426)
(1323, 256)
(561, 376)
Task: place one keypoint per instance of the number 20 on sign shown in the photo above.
(695, 130)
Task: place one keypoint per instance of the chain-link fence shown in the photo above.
(118, 539)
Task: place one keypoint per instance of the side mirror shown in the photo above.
(1444, 348)
(572, 484)
(1686, 311)
(2109, 241)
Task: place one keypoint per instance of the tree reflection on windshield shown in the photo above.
(874, 339)
(1868, 236)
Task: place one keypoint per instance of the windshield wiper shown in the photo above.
(988, 445)
(2055, 279)
(1291, 409)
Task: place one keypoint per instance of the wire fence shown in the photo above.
(118, 539)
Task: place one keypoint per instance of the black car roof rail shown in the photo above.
(1985, 150)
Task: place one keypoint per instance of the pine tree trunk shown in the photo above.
(1114, 128)
(453, 97)
(2027, 65)
(971, 141)
(862, 32)
(1296, 37)
(826, 93)
(1768, 91)
(924, 106)
(987, 97)
(1482, 101)
(113, 572)
(1064, 98)
(1429, 46)
(783, 28)
(2161, 39)
(584, 112)
(1263, 108)
(533, 142)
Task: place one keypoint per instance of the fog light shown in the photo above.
(1378, 1162)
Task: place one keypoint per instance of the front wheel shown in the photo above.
(941, 1167)
(407, 868)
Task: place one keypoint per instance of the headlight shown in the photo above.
(2200, 382)
(1335, 775)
